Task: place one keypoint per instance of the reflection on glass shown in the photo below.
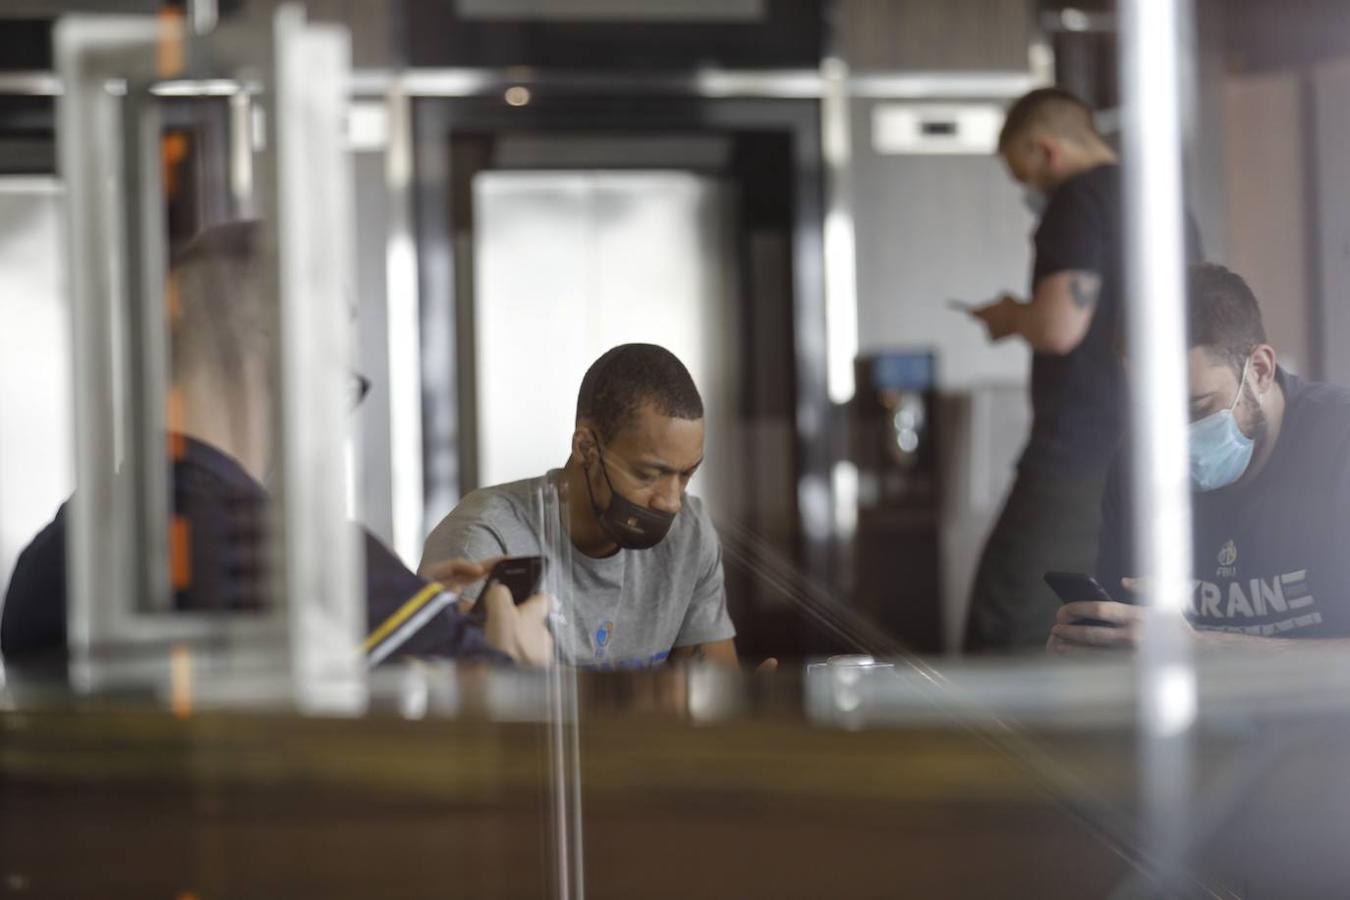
(706, 508)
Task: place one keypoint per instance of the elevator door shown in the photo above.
(567, 265)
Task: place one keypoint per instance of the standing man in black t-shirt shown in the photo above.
(1072, 323)
(1270, 501)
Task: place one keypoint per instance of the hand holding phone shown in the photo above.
(1075, 587)
(521, 575)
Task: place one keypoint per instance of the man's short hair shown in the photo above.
(1052, 110)
(222, 312)
(1222, 313)
(631, 376)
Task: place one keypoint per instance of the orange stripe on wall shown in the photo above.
(180, 553)
(169, 58)
(173, 403)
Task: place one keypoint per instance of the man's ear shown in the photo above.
(583, 442)
(1263, 363)
(1046, 148)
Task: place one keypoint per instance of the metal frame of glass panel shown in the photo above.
(564, 710)
(297, 75)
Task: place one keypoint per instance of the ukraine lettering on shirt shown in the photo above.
(1216, 604)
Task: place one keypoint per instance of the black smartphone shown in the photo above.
(962, 306)
(1075, 587)
(521, 575)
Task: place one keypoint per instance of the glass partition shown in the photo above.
(209, 351)
(640, 480)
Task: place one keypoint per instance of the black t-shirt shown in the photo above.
(1269, 556)
(1078, 400)
(222, 511)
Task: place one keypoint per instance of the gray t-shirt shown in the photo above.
(628, 610)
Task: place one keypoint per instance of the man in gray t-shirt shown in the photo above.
(646, 578)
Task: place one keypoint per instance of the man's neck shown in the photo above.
(1085, 160)
(587, 534)
(205, 413)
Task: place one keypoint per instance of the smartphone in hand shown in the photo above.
(962, 306)
(521, 575)
(1075, 587)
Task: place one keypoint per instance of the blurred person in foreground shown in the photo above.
(221, 390)
(1072, 322)
(1270, 480)
(647, 567)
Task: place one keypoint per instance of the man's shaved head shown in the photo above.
(1049, 111)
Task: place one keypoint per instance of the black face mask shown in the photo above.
(633, 527)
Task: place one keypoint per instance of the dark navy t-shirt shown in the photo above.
(1270, 556)
(1078, 400)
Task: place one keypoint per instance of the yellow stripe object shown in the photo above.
(404, 612)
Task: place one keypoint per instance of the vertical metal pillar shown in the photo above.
(1155, 287)
(404, 335)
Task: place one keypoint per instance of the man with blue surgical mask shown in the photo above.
(1270, 474)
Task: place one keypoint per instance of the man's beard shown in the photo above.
(1257, 424)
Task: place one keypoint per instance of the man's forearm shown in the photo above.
(1025, 322)
(714, 651)
(1032, 325)
(1059, 313)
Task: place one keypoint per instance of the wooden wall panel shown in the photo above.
(920, 34)
(1267, 233)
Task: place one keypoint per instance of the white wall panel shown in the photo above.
(36, 462)
(569, 264)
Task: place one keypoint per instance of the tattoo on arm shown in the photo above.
(1083, 288)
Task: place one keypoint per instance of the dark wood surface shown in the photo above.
(115, 803)
(124, 800)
